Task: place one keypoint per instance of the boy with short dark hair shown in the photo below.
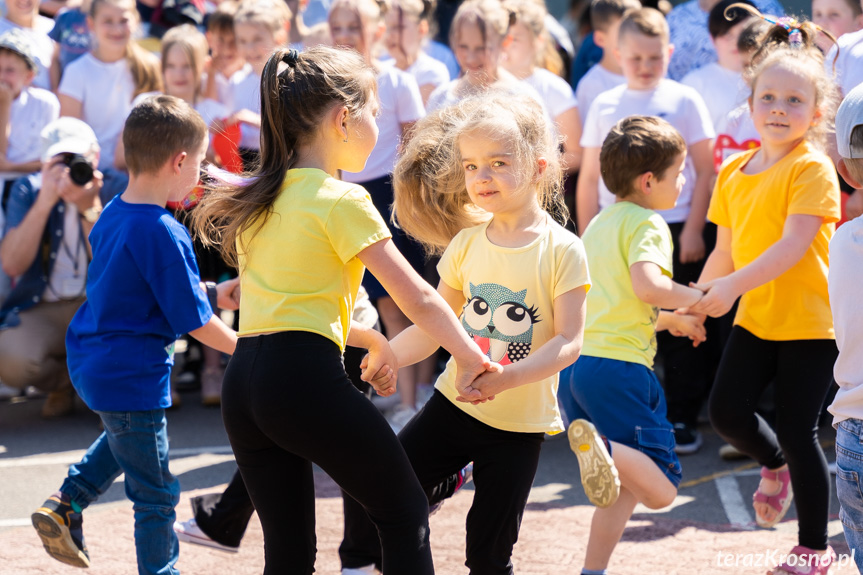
(226, 59)
(612, 385)
(143, 292)
(605, 18)
(846, 263)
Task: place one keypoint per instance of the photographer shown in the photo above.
(46, 251)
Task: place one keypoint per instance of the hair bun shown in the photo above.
(290, 58)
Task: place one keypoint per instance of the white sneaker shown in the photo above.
(400, 416)
(367, 570)
(189, 532)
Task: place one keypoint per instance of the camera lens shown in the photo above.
(80, 170)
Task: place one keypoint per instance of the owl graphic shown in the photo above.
(500, 322)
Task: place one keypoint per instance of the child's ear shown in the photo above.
(507, 40)
(339, 121)
(817, 117)
(424, 27)
(645, 182)
(31, 74)
(90, 23)
(177, 161)
(541, 165)
(599, 38)
(846, 175)
(670, 50)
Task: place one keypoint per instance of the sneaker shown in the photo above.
(59, 403)
(598, 474)
(211, 386)
(189, 532)
(730, 453)
(60, 528)
(367, 570)
(463, 477)
(400, 416)
(687, 440)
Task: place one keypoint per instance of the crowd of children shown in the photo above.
(361, 148)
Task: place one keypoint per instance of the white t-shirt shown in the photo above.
(843, 282)
(105, 91)
(401, 103)
(426, 70)
(555, 92)
(721, 89)
(595, 82)
(679, 105)
(44, 46)
(849, 65)
(223, 87)
(245, 94)
(69, 274)
(32, 110)
(735, 133)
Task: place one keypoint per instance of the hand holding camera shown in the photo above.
(71, 177)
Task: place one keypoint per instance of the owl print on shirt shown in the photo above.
(500, 321)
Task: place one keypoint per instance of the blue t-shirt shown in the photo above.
(143, 293)
(72, 34)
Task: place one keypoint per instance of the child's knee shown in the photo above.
(663, 496)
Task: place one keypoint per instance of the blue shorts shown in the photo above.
(626, 404)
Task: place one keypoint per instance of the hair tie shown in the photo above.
(290, 58)
(791, 25)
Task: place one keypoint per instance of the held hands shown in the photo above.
(228, 294)
(688, 325)
(488, 384)
(468, 369)
(380, 368)
(719, 296)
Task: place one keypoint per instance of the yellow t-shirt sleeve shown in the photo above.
(815, 191)
(572, 270)
(354, 224)
(651, 242)
(717, 211)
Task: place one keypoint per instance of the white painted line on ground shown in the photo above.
(735, 508)
(15, 522)
(69, 457)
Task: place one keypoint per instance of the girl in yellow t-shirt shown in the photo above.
(481, 179)
(301, 239)
(775, 207)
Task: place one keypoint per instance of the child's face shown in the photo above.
(607, 39)
(477, 58)
(349, 30)
(665, 189)
(643, 59)
(190, 172)
(16, 9)
(492, 176)
(726, 48)
(521, 50)
(113, 25)
(179, 73)
(835, 16)
(362, 135)
(404, 34)
(223, 48)
(15, 74)
(783, 105)
(255, 43)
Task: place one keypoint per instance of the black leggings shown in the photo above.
(802, 370)
(440, 440)
(287, 403)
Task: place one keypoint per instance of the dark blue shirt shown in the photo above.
(143, 292)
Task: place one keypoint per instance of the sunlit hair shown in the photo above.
(367, 11)
(171, 122)
(194, 46)
(144, 67)
(647, 21)
(431, 201)
(790, 44)
(489, 16)
(271, 14)
(604, 13)
(855, 165)
(532, 14)
(635, 146)
(297, 91)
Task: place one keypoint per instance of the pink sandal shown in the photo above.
(806, 561)
(780, 502)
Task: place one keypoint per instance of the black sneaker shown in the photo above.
(687, 440)
(60, 528)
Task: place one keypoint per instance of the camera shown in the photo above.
(80, 169)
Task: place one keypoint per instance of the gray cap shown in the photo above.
(67, 136)
(16, 40)
(848, 117)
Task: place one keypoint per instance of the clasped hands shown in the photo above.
(718, 298)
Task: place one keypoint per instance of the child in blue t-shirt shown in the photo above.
(143, 292)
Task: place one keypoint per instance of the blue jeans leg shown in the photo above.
(90, 477)
(849, 472)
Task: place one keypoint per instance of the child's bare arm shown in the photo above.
(655, 288)
(217, 335)
(797, 235)
(413, 345)
(69, 106)
(587, 191)
(692, 247)
(570, 310)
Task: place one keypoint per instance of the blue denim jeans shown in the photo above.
(134, 443)
(849, 473)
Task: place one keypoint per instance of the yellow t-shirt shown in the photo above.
(619, 325)
(299, 271)
(509, 295)
(795, 305)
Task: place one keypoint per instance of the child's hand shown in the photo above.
(244, 116)
(228, 294)
(691, 326)
(380, 368)
(719, 296)
(692, 248)
(488, 384)
(467, 370)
